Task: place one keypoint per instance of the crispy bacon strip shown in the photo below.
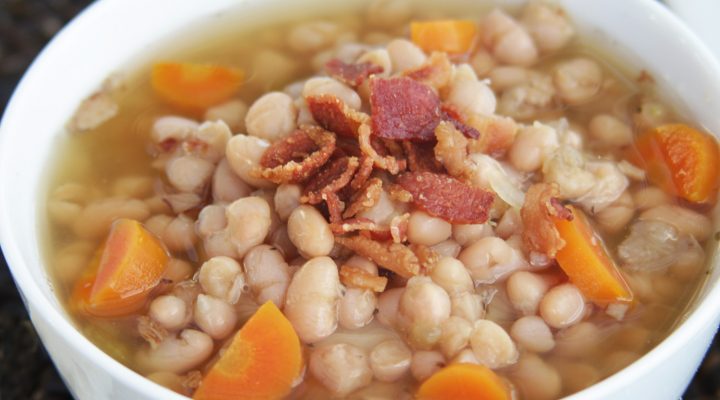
(351, 74)
(427, 256)
(403, 109)
(364, 198)
(420, 156)
(399, 228)
(452, 115)
(355, 277)
(497, 134)
(362, 225)
(397, 193)
(335, 207)
(335, 176)
(363, 173)
(436, 72)
(387, 163)
(392, 256)
(298, 156)
(446, 197)
(451, 149)
(334, 115)
(539, 232)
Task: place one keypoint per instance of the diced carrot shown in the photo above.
(681, 160)
(263, 361)
(450, 36)
(587, 263)
(195, 86)
(126, 268)
(464, 381)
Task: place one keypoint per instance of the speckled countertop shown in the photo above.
(26, 371)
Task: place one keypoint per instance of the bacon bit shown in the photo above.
(427, 256)
(363, 172)
(420, 157)
(436, 72)
(335, 207)
(355, 277)
(354, 225)
(497, 134)
(149, 330)
(191, 380)
(397, 193)
(451, 150)
(334, 115)
(335, 176)
(298, 156)
(451, 114)
(393, 256)
(540, 207)
(445, 197)
(403, 109)
(387, 163)
(399, 227)
(364, 198)
(352, 74)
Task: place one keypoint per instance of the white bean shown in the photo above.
(510, 43)
(482, 62)
(389, 13)
(312, 36)
(341, 368)
(609, 185)
(616, 216)
(510, 224)
(214, 316)
(188, 173)
(425, 363)
(452, 276)
(578, 80)
(492, 346)
(281, 241)
(271, 117)
(248, 222)
(610, 131)
(271, 67)
(172, 129)
(222, 277)
(466, 234)
(231, 112)
(267, 274)
(537, 380)
(178, 270)
(562, 306)
(455, 336)
(405, 55)
(467, 305)
(491, 259)
(136, 186)
(532, 146)
(548, 25)
(219, 244)
(309, 232)
(211, 219)
(390, 360)
(525, 291)
(532, 333)
(578, 340)
(649, 197)
(177, 354)
(226, 185)
(179, 234)
(210, 141)
(169, 311)
(323, 85)
(379, 57)
(466, 356)
(388, 306)
(447, 248)
(576, 376)
(685, 220)
(427, 230)
(357, 307)
(566, 169)
(362, 263)
(422, 309)
(287, 199)
(312, 299)
(243, 153)
(471, 96)
(96, 218)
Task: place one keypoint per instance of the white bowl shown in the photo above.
(112, 32)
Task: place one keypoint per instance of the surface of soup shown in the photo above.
(415, 200)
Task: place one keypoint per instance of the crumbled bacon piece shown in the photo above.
(451, 114)
(399, 227)
(335, 206)
(435, 72)
(335, 176)
(420, 157)
(451, 149)
(352, 74)
(540, 207)
(355, 225)
(497, 134)
(388, 163)
(334, 115)
(364, 198)
(397, 193)
(392, 256)
(298, 156)
(403, 109)
(363, 172)
(191, 380)
(355, 277)
(427, 256)
(445, 197)
(151, 331)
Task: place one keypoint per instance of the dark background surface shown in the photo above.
(25, 369)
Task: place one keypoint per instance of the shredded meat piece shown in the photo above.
(355, 277)
(420, 157)
(453, 115)
(403, 109)
(149, 330)
(392, 256)
(445, 197)
(335, 176)
(540, 207)
(363, 173)
(335, 206)
(451, 150)
(334, 115)
(397, 193)
(352, 74)
(364, 198)
(399, 227)
(298, 156)
(497, 134)
(387, 163)
(354, 225)
(427, 256)
(436, 72)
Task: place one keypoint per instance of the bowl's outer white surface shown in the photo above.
(112, 32)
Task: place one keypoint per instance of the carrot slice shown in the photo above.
(450, 35)
(125, 269)
(263, 360)
(681, 160)
(190, 85)
(464, 381)
(587, 263)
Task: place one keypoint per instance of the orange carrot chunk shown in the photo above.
(126, 268)
(263, 361)
(450, 36)
(587, 263)
(190, 85)
(464, 381)
(681, 160)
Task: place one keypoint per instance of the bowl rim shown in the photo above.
(703, 314)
